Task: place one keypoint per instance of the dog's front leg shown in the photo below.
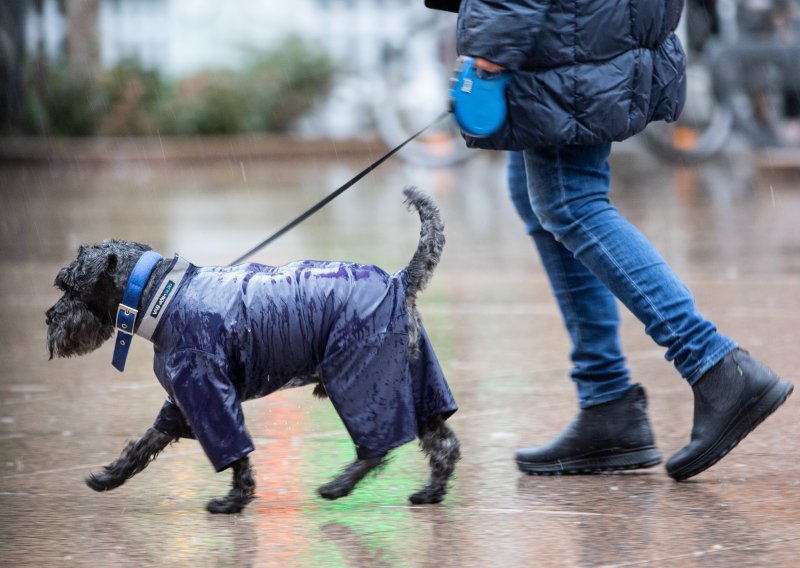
(133, 459)
(243, 490)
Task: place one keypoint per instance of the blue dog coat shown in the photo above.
(223, 335)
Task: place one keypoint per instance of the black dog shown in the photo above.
(223, 335)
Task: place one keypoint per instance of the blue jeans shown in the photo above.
(591, 255)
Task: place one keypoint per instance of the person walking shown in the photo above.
(583, 75)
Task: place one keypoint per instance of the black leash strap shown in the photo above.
(330, 197)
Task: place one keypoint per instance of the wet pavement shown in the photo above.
(730, 232)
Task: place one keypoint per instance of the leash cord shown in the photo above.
(333, 195)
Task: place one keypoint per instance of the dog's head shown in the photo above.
(93, 285)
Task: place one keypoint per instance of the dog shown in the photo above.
(222, 335)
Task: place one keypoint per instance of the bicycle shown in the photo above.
(743, 75)
(411, 94)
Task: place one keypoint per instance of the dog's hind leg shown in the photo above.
(346, 481)
(441, 446)
(243, 490)
(133, 459)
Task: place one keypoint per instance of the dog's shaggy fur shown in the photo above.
(84, 318)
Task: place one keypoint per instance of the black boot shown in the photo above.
(730, 400)
(612, 436)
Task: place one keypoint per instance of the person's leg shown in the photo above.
(588, 308)
(612, 430)
(568, 188)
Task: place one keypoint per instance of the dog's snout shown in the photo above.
(51, 315)
(62, 278)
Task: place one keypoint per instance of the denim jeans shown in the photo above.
(593, 255)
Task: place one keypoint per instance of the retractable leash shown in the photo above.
(333, 195)
(128, 309)
(477, 99)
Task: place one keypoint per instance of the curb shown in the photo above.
(258, 146)
(167, 149)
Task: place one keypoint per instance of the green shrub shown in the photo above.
(268, 95)
(60, 103)
(133, 95)
(210, 103)
(285, 84)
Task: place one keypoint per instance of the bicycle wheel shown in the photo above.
(757, 79)
(759, 108)
(702, 129)
(691, 143)
(411, 95)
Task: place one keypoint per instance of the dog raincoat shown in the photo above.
(230, 334)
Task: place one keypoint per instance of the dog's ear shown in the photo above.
(111, 263)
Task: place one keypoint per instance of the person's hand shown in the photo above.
(486, 65)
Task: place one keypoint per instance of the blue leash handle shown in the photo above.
(479, 99)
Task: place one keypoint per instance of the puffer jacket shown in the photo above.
(583, 72)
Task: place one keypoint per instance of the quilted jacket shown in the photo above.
(583, 71)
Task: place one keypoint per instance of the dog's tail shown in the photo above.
(431, 242)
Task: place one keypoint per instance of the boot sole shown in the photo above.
(620, 461)
(742, 425)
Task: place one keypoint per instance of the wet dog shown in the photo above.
(223, 335)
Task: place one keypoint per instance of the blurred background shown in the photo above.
(313, 68)
(201, 127)
(345, 70)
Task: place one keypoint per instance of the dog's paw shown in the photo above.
(334, 490)
(103, 482)
(427, 497)
(319, 391)
(226, 506)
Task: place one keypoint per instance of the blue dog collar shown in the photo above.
(162, 298)
(129, 308)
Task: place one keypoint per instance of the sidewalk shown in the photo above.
(265, 147)
(491, 317)
(199, 148)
